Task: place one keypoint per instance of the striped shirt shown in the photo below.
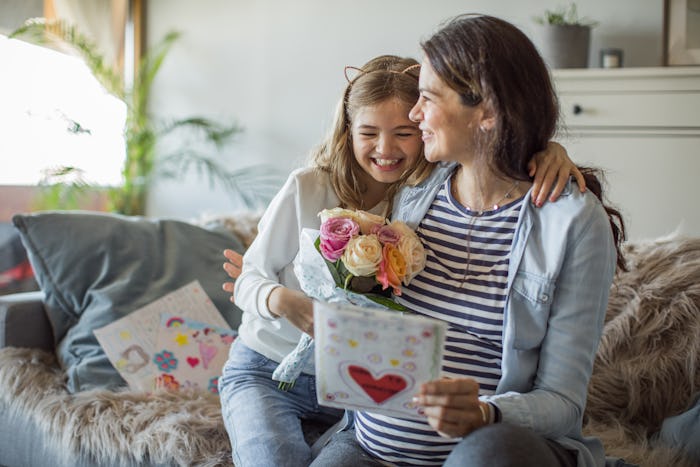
(464, 283)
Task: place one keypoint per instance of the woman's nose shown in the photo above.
(414, 114)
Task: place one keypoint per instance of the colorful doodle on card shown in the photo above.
(130, 342)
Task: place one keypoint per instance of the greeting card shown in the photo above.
(374, 359)
(190, 354)
(130, 342)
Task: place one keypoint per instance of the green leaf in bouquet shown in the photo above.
(332, 267)
(387, 302)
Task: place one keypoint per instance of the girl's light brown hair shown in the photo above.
(384, 77)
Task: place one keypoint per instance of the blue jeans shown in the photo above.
(262, 421)
(498, 445)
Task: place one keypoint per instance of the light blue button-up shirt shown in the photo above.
(562, 264)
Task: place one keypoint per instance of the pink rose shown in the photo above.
(386, 234)
(336, 232)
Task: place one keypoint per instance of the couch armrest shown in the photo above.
(24, 323)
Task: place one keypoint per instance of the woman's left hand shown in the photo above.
(550, 166)
(452, 406)
(232, 266)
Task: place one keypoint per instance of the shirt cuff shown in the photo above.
(263, 294)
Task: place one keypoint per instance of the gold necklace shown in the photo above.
(497, 204)
(472, 220)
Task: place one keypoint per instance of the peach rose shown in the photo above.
(368, 222)
(392, 269)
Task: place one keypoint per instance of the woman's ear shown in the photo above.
(488, 118)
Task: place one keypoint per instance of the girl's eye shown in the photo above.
(368, 135)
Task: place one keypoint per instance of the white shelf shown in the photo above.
(642, 126)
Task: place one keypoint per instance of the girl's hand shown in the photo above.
(552, 164)
(232, 268)
(294, 306)
(452, 406)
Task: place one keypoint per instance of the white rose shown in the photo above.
(337, 212)
(412, 250)
(362, 255)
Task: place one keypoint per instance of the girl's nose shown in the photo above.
(384, 144)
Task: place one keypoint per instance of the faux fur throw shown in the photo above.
(646, 370)
(113, 427)
(647, 365)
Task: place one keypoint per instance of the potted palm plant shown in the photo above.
(64, 187)
(563, 37)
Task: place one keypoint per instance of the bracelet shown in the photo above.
(484, 416)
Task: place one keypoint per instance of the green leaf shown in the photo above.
(387, 302)
(563, 16)
(331, 266)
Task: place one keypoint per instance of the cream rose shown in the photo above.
(413, 252)
(362, 255)
(337, 212)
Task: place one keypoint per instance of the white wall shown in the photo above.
(276, 66)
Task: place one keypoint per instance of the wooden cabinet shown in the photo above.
(642, 127)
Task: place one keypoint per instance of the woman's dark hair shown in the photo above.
(488, 60)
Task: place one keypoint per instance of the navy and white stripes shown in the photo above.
(471, 298)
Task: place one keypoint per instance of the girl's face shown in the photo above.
(448, 126)
(385, 141)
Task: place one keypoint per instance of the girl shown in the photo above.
(373, 149)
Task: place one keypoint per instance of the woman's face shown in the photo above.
(385, 141)
(448, 126)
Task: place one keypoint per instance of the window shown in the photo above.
(55, 113)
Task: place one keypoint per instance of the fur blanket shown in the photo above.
(646, 370)
(113, 428)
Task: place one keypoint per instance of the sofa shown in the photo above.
(63, 404)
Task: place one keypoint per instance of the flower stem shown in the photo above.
(284, 386)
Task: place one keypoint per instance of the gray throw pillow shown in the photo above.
(96, 268)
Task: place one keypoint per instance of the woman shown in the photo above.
(371, 150)
(523, 288)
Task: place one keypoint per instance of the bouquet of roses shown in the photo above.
(364, 252)
(357, 258)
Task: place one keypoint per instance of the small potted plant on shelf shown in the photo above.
(563, 37)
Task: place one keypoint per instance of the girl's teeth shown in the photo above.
(386, 162)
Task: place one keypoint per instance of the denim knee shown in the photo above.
(504, 445)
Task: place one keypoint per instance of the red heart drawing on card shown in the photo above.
(379, 389)
(193, 361)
